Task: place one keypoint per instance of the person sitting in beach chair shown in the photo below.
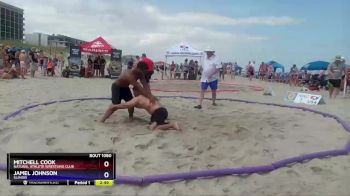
(314, 82)
(10, 73)
(158, 113)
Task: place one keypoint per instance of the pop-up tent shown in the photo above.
(182, 49)
(316, 65)
(276, 65)
(97, 46)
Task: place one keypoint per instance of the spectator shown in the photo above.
(16, 58)
(172, 70)
(40, 59)
(335, 72)
(46, 61)
(262, 70)
(185, 68)
(103, 66)
(34, 62)
(82, 71)
(50, 67)
(21, 58)
(130, 65)
(250, 71)
(234, 68)
(178, 71)
(150, 67)
(293, 75)
(223, 70)
(97, 66)
(2, 63)
(89, 71)
(270, 71)
(191, 72)
(196, 69)
(137, 60)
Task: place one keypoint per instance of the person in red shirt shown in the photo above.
(50, 68)
(150, 67)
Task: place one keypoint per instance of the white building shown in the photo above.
(38, 39)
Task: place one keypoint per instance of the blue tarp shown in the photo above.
(316, 65)
(276, 65)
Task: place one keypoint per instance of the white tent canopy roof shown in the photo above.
(183, 49)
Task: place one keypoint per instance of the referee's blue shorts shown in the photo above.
(213, 85)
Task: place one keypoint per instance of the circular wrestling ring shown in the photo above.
(224, 87)
(144, 180)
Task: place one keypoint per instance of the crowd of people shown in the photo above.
(19, 62)
(188, 70)
(332, 79)
(93, 67)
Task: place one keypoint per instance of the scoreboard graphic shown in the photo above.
(61, 168)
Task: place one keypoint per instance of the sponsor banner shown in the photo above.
(304, 98)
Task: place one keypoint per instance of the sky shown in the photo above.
(287, 31)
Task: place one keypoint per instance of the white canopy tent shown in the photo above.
(182, 49)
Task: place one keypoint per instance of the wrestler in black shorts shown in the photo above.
(122, 93)
(159, 116)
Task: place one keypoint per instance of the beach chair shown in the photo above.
(114, 69)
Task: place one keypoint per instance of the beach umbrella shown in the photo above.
(276, 65)
(316, 65)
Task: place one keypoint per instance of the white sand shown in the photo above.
(231, 134)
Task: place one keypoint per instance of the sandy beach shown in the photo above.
(231, 134)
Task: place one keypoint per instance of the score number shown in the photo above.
(106, 164)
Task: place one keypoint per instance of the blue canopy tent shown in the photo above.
(316, 65)
(276, 65)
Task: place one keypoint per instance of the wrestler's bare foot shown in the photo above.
(177, 126)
